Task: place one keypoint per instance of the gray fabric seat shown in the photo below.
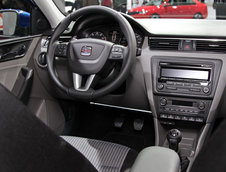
(27, 145)
(104, 156)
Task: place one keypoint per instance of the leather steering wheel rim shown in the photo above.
(129, 59)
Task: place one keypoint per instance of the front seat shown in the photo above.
(28, 145)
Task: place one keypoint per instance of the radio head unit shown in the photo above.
(185, 78)
(189, 77)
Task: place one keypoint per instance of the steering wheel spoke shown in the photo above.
(118, 52)
(82, 82)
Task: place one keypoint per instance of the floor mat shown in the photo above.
(125, 139)
(97, 122)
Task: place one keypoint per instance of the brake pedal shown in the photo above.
(138, 124)
(118, 123)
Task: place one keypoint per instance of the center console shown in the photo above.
(183, 92)
(184, 87)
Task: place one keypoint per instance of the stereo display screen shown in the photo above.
(185, 73)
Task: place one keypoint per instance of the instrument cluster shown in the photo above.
(112, 34)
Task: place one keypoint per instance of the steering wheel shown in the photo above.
(86, 57)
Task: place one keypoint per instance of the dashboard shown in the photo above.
(178, 79)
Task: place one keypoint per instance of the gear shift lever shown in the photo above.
(174, 137)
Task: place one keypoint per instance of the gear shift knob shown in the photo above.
(174, 137)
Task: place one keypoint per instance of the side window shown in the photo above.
(14, 18)
(187, 2)
(173, 2)
(191, 2)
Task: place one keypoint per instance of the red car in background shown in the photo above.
(170, 9)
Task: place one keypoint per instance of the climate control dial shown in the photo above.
(163, 101)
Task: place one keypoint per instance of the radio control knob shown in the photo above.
(163, 101)
(206, 90)
(160, 86)
(201, 105)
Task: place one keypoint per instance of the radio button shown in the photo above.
(171, 88)
(199, 119)
(201, 105)
(163, 116)
(170, 117)
(206, 90)
(190, 111)
(172, 109)
(191, 119)
(177, 117)
(169, 83)
(186, 111)
(187, 84)
(167, 109)
(184, 118)
(195, 89)
(179, 84)
(196, 85)
(160, 86)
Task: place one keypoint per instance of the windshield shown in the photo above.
(146, 9)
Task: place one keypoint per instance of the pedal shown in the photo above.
(118, 123)
(138, 124)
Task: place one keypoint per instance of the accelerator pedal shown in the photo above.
(138, 124)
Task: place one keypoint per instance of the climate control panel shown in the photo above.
(184, 109)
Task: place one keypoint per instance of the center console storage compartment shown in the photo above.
(157, 159)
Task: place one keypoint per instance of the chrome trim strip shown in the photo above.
(65, 37)
(120, 107)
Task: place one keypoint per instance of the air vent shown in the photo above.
(164, 44)
(215, 46)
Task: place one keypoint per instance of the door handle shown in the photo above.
(20, 52)
(27, 84)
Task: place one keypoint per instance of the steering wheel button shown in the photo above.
(116, 49)
(117, 56)
(120, 50)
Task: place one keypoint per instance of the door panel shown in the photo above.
(11, 67)
(39, 101)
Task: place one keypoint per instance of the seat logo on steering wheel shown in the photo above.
(86, 51)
